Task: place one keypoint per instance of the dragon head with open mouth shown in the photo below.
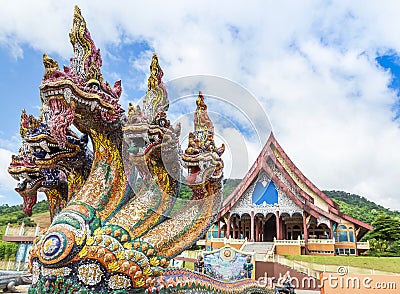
(75, 155)
(46, 149)
(202, 157)
(33, 177)
(79, 91)
(23, 169)
(148, 134)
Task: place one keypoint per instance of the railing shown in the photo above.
(243, 245)
(321, 241)
(201, 242)
(298, 267)
(235, 241)
(287, 242)
(302, 242)
(270, 255)
(363, 245)
(313, 269)
(217, 239)
(22, 230)
(12, 265)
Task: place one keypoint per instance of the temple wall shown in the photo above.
(288, 249)
(322, 247)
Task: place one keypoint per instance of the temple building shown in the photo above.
(275, 204)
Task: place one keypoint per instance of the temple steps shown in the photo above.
(260, 249)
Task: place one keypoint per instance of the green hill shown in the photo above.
(359, 207)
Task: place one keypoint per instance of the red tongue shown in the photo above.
(61, 118)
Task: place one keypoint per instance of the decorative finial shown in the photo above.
(156, 100)
(156, 74)
(24, 124)
(203, 127)
(28, 123)
(50, 66)
(87, 59)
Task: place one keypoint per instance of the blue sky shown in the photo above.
(326, 74)
(391, 62)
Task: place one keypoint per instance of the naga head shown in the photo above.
(46, 149)
(148, 134)
(23, 169)
(50, 155)
(202, 157)
(78, 94)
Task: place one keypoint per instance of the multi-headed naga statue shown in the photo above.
(116, 234)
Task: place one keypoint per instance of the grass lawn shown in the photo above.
(390, 264)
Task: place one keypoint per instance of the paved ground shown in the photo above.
(24, 289)
(21, 289)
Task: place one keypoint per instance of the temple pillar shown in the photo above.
(252, 227)
(243, 227)
(305, 232)
(278, 226)
(331, 230)
(257, 232)
(228, 227)
(240, 228)
(235, 228)
(282, 225)
(219, 229)
(262, 231)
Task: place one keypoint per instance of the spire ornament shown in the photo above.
(203, 127)
(87, 60)
(156, 100)
(50, 66)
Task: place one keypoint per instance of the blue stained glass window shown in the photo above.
(343, 237)
(267, 194)
(351, 235)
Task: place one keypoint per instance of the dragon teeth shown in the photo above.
(145, 137)
(44, 146)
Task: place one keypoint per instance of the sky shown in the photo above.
(323, 75)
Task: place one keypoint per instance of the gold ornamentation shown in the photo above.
(90, 274)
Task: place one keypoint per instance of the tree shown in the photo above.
(386, 228)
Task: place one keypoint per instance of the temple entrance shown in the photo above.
(269, 228)
(293, 226)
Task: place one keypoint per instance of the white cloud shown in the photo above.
(312, 64)
(6, 181)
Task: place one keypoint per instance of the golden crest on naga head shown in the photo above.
(50, 65)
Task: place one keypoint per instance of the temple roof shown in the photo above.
(286, 177)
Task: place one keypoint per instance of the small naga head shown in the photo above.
(45, 149)
(78, 94)
(147, 131)
(202, 157)
(23, 169)
(49, 155)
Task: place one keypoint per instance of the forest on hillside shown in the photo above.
(360, 207)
